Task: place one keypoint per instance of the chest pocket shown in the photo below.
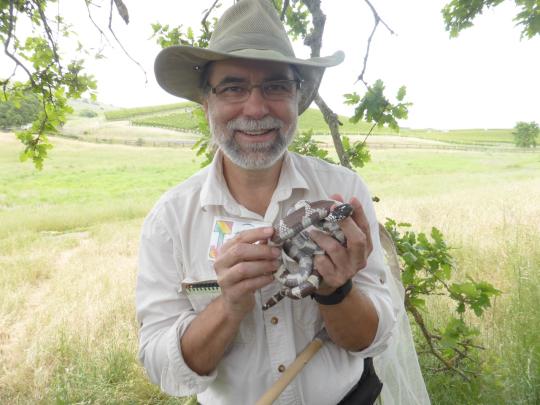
(202, 293)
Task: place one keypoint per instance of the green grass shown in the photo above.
(68, 254)
(127, 113)
(485, 137)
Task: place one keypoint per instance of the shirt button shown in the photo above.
(274, 320)
(281, 368)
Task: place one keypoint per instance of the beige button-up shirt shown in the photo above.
(174, 251)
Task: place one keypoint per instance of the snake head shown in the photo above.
(340, 212)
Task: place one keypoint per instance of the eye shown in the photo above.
(278, 87)
(231, 89)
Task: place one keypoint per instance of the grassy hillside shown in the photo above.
(128, 113)
(161, 116)
(68, 261)
(178, 120)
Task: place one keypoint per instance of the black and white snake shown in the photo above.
(296, 273)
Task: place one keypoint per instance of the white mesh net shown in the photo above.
(397, 366)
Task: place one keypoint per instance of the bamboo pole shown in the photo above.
(290, 372)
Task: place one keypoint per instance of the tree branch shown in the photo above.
(314, 38)
(378, 20)
(284, 10)
(8, 40)
(332, 120)
(429, 339)
(122, 46)
(368, 134)
(48, 31)
(204, 23)
(103, 35)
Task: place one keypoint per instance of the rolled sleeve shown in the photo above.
(163, 312)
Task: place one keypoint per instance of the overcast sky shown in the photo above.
(485, 78)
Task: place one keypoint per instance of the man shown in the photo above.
(217, 342)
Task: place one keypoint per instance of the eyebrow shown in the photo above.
(235, 79)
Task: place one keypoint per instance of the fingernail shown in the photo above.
(268, 230)
(276, 252)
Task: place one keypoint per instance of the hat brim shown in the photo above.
(178, 69)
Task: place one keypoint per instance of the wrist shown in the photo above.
(334, 297)
(234, 313)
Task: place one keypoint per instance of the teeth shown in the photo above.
(260, 132)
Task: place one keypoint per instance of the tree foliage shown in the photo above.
(460, 14)
(50, 78)
(304, 144)
(428, 270)
(525, 134)
(16, 114)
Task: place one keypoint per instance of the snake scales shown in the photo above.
(296, 273)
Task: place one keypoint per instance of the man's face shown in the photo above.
(255, 132)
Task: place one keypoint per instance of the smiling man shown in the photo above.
(202, 283)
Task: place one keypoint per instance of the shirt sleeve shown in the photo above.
(163, 312)
(372, 280)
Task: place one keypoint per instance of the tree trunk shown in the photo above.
(314, 41)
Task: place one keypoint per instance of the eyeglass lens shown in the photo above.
(271, 90)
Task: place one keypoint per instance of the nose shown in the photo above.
(256, 106)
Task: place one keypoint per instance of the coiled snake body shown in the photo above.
(290, 233)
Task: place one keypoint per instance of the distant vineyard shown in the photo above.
(126, 113)
(181, 121)
(163, 117)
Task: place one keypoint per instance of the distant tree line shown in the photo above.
(525, 134)
(17, 113)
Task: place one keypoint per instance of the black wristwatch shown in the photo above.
(336, 297)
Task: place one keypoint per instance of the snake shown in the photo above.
(296, 272)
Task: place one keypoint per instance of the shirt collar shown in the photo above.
(289, 179)
(215, 191)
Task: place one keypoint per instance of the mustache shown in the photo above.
(247, 124)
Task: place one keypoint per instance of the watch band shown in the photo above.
(336, 297)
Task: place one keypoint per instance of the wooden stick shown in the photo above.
(292, 371)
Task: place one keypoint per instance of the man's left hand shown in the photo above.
(341, 263)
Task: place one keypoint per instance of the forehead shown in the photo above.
(250, 70)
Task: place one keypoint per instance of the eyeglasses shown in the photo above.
(273, 90)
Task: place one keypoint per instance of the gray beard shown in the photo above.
(254, 156)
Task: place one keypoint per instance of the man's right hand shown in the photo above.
(243, 267)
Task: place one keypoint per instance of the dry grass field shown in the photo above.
(68, 261)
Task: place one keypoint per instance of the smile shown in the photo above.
(258, 132)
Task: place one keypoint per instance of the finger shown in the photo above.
(346, 260)
(249, 236)
(360, 218)
(330, 246)
(255, 235)
(246, 270)
(249, 286)
(242, 252)
(355, 235)
(329, 272)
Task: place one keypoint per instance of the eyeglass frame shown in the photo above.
(249, 88)
(205, 86)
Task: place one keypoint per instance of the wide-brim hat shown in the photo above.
(250, 29)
